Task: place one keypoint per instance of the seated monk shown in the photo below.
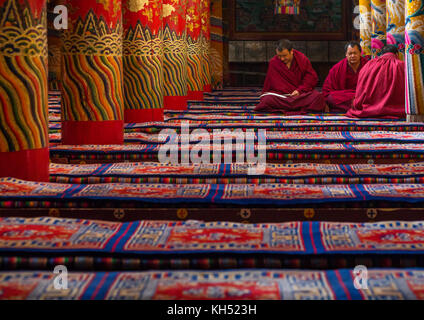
(340, 86)
(289, 84)
(380, 92)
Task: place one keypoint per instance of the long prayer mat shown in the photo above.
(285, 136)
(235, 92)
(137, 244)
(59, 236)
(129, 137)
(218, 107)
(232, 112)
(258, 117)
(290, 125)
(383, 284)
(231, 194)
(275, 152)
(227, 101)
(302, 173)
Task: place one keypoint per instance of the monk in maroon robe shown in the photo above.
(289, 84)
(381, 88)
(340, 85)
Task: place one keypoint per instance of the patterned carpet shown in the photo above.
(274, 152)
(129, 227)
(302, 173)
(310, 137)
(61, 236)
(383, 284)
(39, 193)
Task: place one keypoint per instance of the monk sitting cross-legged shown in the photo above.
(340, 86)
(381, 87)
(289, 84)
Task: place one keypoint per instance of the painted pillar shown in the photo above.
(366, 26)
(396, 25)
(206, 43)
(54, 48)
(414, 58)
(194, 47)
(143, 60)
(92, 89)
(378, 35)
(24, 142)
(216, 53)
(175, 54)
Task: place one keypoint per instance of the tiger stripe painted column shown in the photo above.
(54, 47)
(216, 53)
(175, 54)
(92, 89)
(206, 43)
(396, 25)
(24, 142)
(414, 58)
(378, 35)
(194, 47)
(366, 26)
(143, 60)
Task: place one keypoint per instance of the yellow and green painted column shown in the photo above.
(54, 48)
(143, 60)
(414, 58)
(24, 141)
(175, 54)
(194, 47)
(366, 26)
(378, 33)
(206, 43)
(92, 79)
(396, 25)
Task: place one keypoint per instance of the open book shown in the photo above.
(284, 96)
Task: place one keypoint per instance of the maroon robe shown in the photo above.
(340, 85)
(381, 89)
(282, 80)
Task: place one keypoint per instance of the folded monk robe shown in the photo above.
(340, 86)
(281, 81)
(380, 92)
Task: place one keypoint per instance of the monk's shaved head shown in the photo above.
(353, 44)
(284, 44)
(353, 54)
(390, 48)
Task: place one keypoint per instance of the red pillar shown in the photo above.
(24, 150)
(143, 61)
(175, 54)
(92, 91)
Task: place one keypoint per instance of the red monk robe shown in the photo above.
(283, 81)
(340, 85)
(381, 89)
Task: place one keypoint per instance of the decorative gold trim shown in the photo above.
(194, 47)
(372, 213)
(141, 42)
(54, 212)
(93, 37)
(119, 214)
(182, 213)
(245, 213)
(173, 43)
(309, 213)
(21, 33)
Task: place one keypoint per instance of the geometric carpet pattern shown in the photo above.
(387, 284)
